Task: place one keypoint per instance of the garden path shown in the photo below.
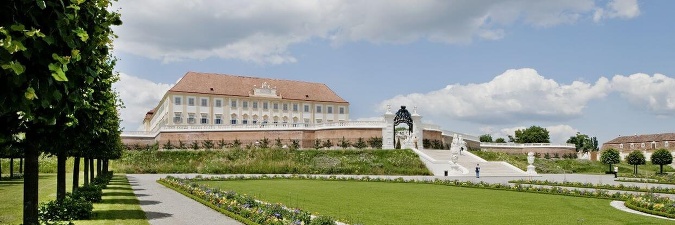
(165, 206)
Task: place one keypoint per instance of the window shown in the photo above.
(642, 145)
(244, 104)
(205, 118)
(620, 145)
(234, 119)
(665, 144)
(318, 109)
(632, 145)
(285, 108)
(233, 104)
(244, 121)
(329, 109)
(177, 100)
(295, 107)
(276, 106)
(219, 119)
(205, 102)
(191, 101)
(265, 104)
(219, 103)
(177, 117)
(191, 118)
(319, 120)
(307, 108)
(342, 110)
(306, 121)
(653, 145)
(255, 105)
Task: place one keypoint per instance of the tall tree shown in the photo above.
(636, 158)
(485, 138)
(533, 134)
(52, 51)
(662, 157)
(583, 143)
(609, 157)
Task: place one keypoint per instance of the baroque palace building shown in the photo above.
(215, 99)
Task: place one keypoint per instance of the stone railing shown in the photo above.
(525, 145)
(464, 136)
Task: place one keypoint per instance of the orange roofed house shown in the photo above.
(646, 143)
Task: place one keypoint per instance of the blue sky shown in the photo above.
(603, 68)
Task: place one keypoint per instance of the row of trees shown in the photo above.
(56, 87)
(536, 134)
(659, 157)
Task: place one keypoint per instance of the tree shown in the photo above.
(583, 143)
(636, 158)
(533, 134)
(344, 143)
(53, 57)
(610, 156)
(662, 157)
(500, 140)
(360, 144)
(486, 138)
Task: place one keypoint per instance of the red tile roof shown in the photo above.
(231, 85)
(643, 138)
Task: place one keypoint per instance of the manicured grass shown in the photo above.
(272, 161)
(401, 203)
(569, 165)
(119, 205)
(11, 195)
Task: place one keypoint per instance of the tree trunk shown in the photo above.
(61, 176)
(105, 166)
(11, 168)
(661, 169)
(0, 168)
(86, 171)
(21, 165)
(76, 173)
(30, 186)
(91, 170)
(99, 167)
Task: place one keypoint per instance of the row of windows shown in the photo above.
(265, 105)
(642, 145)
(204, 119)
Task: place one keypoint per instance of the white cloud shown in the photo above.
(139, 96)
(262, 31)
(655, 93)
(515, 95)
(624, 9)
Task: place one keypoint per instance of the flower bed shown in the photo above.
(663, 190)
(243, 208)
(652, 204)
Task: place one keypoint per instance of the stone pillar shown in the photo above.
(417, 128)
(388, 130)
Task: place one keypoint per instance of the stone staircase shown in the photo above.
(469, 161)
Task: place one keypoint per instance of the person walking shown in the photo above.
(477, 170)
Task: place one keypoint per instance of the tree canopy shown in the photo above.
(583, 143)
(485, 138)
(609, 157)
(533, 134)
(636, 158)
(662, 157)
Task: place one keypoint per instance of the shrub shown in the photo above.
(547, 156)
(322, 220)
(344, 143)
(89, 192)
(556, 155)
(70, 208)
(398, 144)
(194, 145)
(277, 143)
(426, 143)
(317, 144)
(265, 143)
(327, 144)
(168, 145)
(208, 144)
(295, 144)
(236, 143)
(375, 142)
(181, 145)
(221, 143)
(360, 144)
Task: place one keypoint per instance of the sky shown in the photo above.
(601, 68)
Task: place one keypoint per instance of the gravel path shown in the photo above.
(165, 206)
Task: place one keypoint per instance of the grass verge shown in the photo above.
(272, 161)
(119, 205)
(406, 203)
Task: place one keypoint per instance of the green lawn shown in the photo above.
(119, 203)
(399, 203)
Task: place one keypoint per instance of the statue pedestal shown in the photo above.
(530, 170)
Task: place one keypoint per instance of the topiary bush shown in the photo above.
(62, 212)
(89, 192)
